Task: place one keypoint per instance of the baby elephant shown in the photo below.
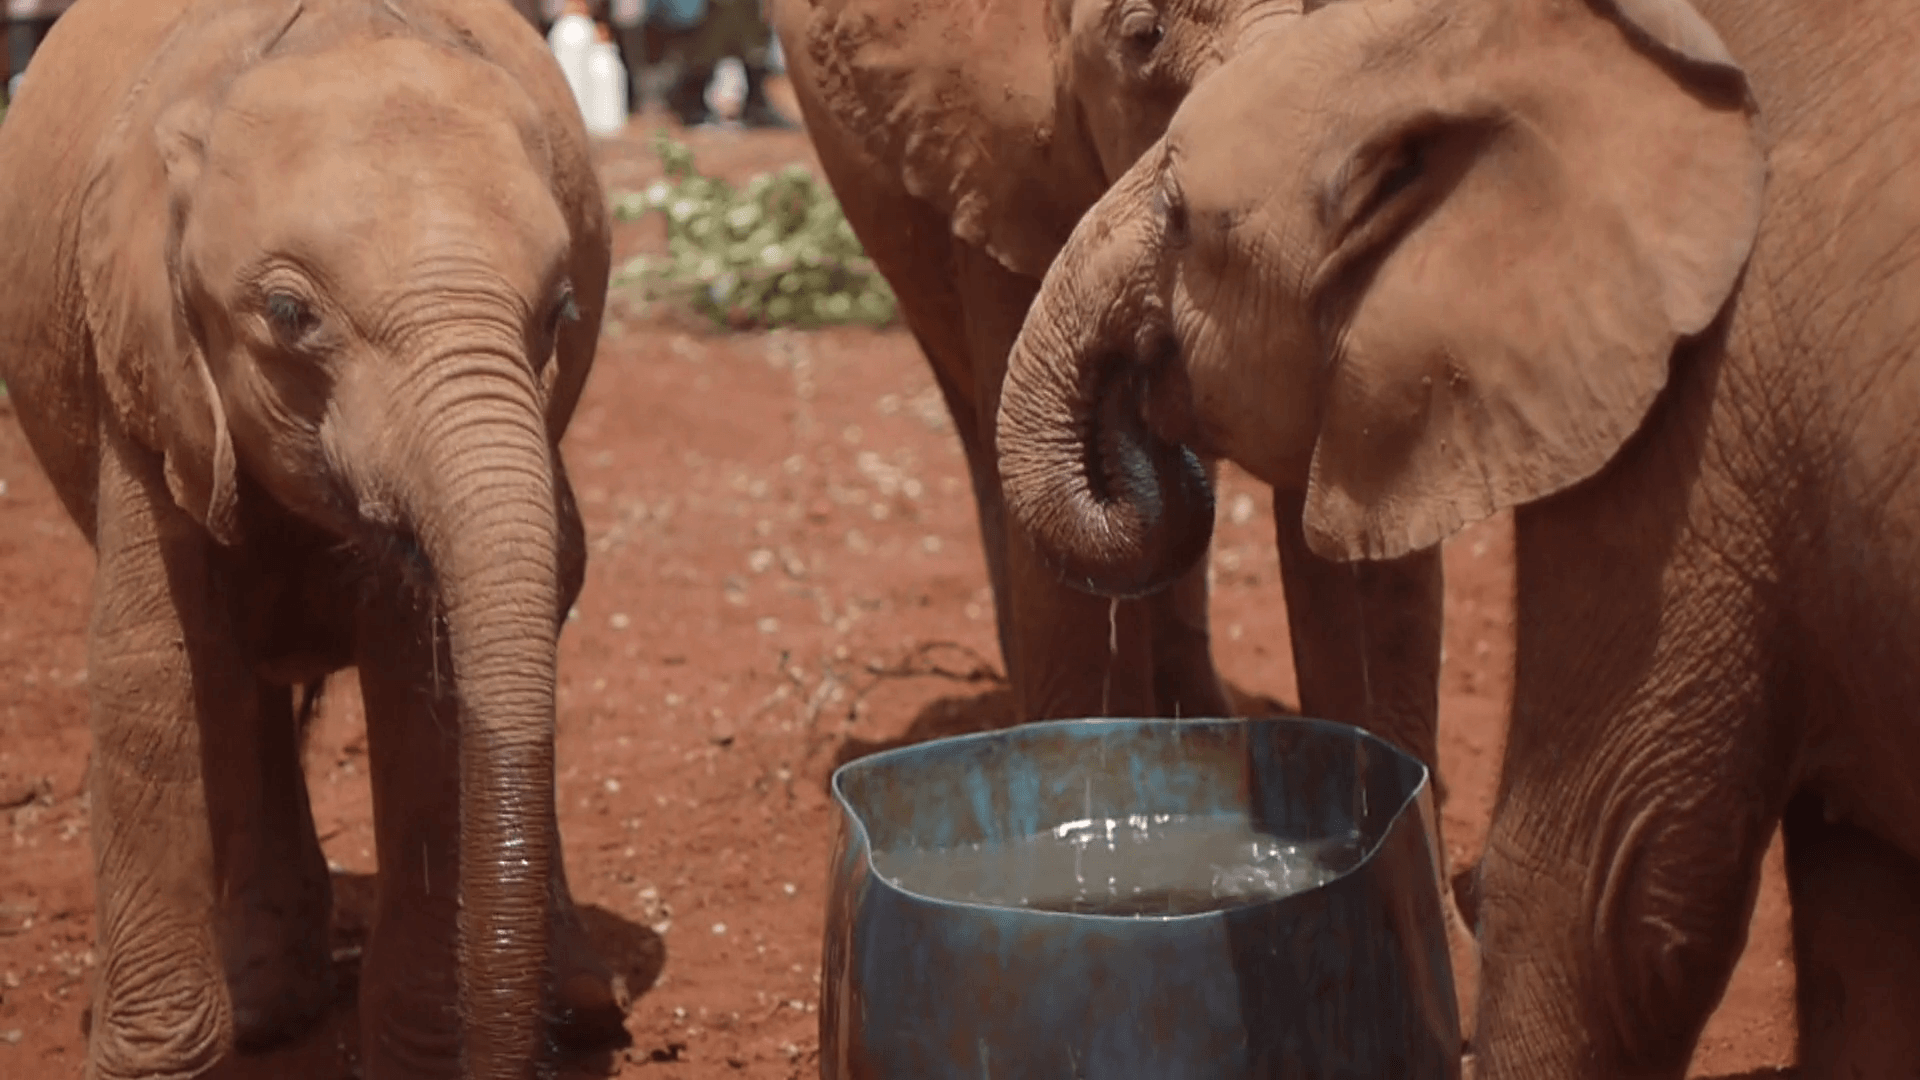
(299, 296)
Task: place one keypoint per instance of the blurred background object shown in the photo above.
(675, 53)
(27, 24)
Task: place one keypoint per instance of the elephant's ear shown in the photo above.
(964, 99)
(139, 194)
(1554, 222)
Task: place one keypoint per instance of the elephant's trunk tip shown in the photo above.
(1115, 510)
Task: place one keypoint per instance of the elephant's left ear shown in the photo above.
(1549, 224)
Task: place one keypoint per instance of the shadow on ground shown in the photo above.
(332, 1050)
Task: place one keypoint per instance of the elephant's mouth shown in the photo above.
(1146, 393)
(1142, 480)
(389, 551)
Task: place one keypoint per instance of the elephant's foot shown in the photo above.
(1459, 908)
(1856, 930)
(391, 1050)
(277, 998)
(274, 943)
(169, 1020)
(589, 1001)
(409, 1012)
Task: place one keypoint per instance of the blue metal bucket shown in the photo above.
(1350, 979)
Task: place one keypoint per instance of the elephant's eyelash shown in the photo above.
(1143, 29)
(565, 310)
(291, 316)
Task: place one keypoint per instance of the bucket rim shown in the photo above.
(1420, 789)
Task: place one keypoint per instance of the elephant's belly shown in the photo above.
(300, 615)
(1865, 763)
(303, 639)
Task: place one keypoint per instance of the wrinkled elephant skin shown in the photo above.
(965, 140)
(1643, 272)
(301, 295)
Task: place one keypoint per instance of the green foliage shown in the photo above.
(777, 252)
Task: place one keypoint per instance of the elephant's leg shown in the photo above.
(1366, 637)
(408, 1020)
(1856, 946)
(1645, 771)
(1072, 654)
(989, 513)
(409, 971)
(160, 1005)
(1366, 651)
(1185, 682)
(588, 1011)
(275, 895)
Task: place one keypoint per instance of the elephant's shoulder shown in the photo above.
(957, 99)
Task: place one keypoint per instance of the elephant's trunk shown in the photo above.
(486, 524)
(1117, 509)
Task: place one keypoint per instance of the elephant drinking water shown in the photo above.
(1645, 272)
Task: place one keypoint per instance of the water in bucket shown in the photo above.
(1140, 865)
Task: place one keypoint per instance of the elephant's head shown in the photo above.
(1424, 260)
(1012, 116)
(336, 268)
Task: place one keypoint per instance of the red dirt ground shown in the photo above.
(785, 574)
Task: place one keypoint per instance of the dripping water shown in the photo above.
(1359, 809)
(1113, 656)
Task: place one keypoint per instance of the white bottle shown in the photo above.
(727, 91)
(571, 40)
(604, 106)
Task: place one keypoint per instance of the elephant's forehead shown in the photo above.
(1274, 111)
(1238, 119)
(391, 107)
(379, 168)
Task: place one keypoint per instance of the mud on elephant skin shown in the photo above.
(1642, 271)
(302, 295)
(964, 141)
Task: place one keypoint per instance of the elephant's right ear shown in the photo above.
(963, 99)
(151, 362)
(139, 193)
(1521, 243)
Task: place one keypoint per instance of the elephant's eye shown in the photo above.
(292, 318)
(565, 310)
(1143, 30)
(1403, 170)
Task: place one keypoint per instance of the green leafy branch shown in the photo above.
(776, 252)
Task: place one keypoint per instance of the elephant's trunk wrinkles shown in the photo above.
(486, 524)
(1118, 510)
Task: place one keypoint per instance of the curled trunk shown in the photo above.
(486, 524)
(1117, 509)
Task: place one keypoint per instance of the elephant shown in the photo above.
(1640, 272)
(300, 298)
(964, 142)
